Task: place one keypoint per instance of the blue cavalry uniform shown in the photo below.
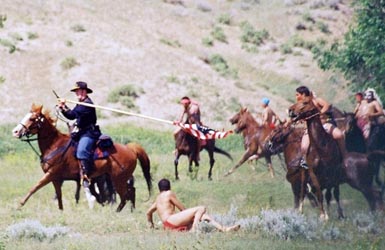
(85, 132)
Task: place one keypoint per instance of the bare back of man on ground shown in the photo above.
(186, 219)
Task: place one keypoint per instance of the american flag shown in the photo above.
(203, 132)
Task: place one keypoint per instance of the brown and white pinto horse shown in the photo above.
(59, 163)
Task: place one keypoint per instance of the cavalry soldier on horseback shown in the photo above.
(327, 120)
(85, 132)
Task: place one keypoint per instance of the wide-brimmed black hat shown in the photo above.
(81, 85)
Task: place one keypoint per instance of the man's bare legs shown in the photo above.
(195, 215)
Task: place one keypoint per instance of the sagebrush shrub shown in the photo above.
(33, 229)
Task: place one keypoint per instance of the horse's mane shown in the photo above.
(36, 108)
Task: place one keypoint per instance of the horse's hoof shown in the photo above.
(324, 217)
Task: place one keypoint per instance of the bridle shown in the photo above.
(27, 133)
(307, 115)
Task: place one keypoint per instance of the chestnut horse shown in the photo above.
(254, 136)
(59, 163)
(323, 156)
(186, 144)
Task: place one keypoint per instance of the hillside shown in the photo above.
(163, 48)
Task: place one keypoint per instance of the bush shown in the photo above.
(68, 63)
(6, 43)
(323, 27)
(208, 41)
(219, 64)
(286, 48)
(283, 224)
(78, 28)
(3, 18)
(219, 34)
(32, 229)
(125, 95)
(252, 36)
(175, 43)
(224, 19)
(32, 35)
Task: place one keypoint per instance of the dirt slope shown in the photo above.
(157, 45)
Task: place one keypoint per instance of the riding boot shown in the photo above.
(86, 167)
(303, 163)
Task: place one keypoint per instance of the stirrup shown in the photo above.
(303, 164)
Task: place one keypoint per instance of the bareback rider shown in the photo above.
(369, 113)
(193, 116)
(327, 120)
(85, 132)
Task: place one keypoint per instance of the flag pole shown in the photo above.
(119, 111)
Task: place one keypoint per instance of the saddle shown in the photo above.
(104, 147)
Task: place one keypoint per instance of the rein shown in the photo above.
(311, 116)
(30, 144)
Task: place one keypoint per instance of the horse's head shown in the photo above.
(275, 141)
(350, 122)
(31, 123)
(303, 109)
(241, 119)
(233, 120)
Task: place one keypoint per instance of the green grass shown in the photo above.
(250, 190)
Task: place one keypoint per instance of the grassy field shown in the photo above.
(262, 206)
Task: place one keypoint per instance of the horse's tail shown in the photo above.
(144, 163)
(221, 151)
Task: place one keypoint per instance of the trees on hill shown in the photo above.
(361, 55)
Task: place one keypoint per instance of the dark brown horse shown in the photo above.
(186, 144)
(323, 156)
(254, 136)
(59, 163)
(355, 142)
(358, 168)
(288, 140)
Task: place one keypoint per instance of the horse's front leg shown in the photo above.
(77, 191)
(270, 166)
(302, 190)
(176, 162)
(244, 158)
(336, 193)
(314, 179)
(43, 181)
(212, 161)
(57, 185)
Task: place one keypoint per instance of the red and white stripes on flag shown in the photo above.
(202, 132)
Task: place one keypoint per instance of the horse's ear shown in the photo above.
(36, 108)
(244, 109)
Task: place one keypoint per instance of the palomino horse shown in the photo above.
(254, 136)
(323, 156)
(186, 144)
(59, 163)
